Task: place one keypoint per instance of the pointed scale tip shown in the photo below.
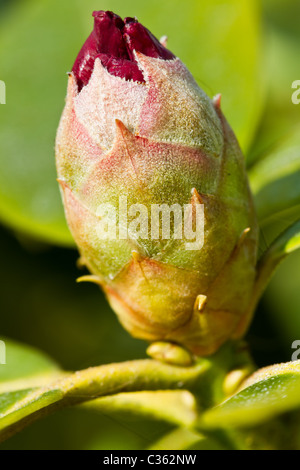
(90, 278)
(200, 302)
(136, 256)
(196, 196)
(62, 182)
(217, 101)
(243, 236)
(164, 41)
(121, 126)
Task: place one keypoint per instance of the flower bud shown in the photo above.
(139, 137)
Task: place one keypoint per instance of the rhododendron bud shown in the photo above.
(139, 141)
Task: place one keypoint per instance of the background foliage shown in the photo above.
(247, 50)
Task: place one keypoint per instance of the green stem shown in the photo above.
(205, 379)
(99, 381)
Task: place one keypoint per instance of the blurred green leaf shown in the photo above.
(285, 244)
(183, 438)
(275, 182)
(282, 297)
(23, 364)
(25, 369)
(31, 34)
(39, 42)
(268, 393)
(175, 406)
(280, 68)
(75, 428)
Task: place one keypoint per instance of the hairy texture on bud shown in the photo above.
(137, 125)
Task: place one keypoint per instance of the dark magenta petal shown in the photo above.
(108, 34)
(84, 63)
(106, 37)
(113, 41)
(122, 68)
(140, 39)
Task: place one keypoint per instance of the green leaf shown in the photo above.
(182, 438)
(212, 42)
(267, 394)
(283, 298)
(285, 244)
(275, 181)
(29, 196)
(24, 370)
(24, 365)
(280, 67)
(175, 406)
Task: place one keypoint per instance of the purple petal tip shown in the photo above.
(113, 42)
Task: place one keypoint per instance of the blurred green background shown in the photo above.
(245, 49)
